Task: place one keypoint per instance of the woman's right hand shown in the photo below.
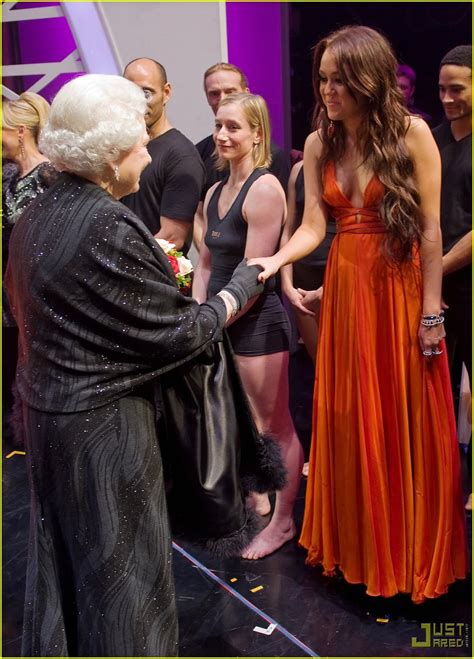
(270, 265)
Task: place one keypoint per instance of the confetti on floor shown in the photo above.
(265, 630)
(257, 588)
(10, 455)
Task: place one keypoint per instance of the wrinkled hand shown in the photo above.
(311, 300)
(245, 283)
(268, 264)
(429, 339)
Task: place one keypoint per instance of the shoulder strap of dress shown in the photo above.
(239, 202)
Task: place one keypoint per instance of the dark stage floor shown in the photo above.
(221, 602)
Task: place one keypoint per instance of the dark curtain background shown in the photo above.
(421, 33)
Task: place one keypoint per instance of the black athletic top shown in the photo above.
(264, 328)
(319, 256)
(308, 272)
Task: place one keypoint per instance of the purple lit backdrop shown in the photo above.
(254, 35)
(254, 39)
(39, 41)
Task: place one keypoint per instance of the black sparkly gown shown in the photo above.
(100, 318)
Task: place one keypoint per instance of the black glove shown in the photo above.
(244, 283)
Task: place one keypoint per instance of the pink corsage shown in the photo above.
(181, 266)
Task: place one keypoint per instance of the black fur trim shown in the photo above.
(234, 543)
(269, 472)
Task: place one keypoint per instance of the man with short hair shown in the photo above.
(220, 80)
(454, 139)
(170, 186)
(406, 78)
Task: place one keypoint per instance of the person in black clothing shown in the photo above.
(101, 320)
(454, 140)
(220, 80)
(26, 173)
(244, 214)
(302, 282)
(170, 187)
(406, 78)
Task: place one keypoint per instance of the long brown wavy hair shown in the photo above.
(367, 67)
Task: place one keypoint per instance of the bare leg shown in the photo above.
(308, 327)
(265, 379)
(259, 502)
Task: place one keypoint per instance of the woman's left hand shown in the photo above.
(429, 338)
(311, 300)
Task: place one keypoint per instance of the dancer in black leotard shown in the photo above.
(264, 328)
(243, 215)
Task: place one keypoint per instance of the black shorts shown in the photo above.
(306, 276)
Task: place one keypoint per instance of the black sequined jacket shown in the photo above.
(99, 315)
(17, 193)
(96, 301)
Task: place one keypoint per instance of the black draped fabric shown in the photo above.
(100, 317)
(99, 579)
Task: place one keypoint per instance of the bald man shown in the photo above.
(170, 186)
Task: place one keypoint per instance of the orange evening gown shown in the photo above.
(383, 499)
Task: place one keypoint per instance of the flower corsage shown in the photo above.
(182, 267)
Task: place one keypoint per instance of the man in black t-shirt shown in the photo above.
(454, 139)
(170, 186)
(220, 80)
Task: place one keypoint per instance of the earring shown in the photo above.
(22, 148)
(116, 173)
(331, 128)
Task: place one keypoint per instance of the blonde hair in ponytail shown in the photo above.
(30, 110)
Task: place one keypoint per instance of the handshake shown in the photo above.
(244, 284)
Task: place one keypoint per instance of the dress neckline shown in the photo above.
(339, 190)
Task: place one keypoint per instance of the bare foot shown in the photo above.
(260, 503)
(305, 469)
(269, 540)
(468, 505)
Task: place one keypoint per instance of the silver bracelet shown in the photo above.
(431, 320)
(226, 296)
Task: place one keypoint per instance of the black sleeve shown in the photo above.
(182, 188)
(206, 149)
(103, 311)
(280, 167)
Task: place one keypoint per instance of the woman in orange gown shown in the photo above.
(383, 500)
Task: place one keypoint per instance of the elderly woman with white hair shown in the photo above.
(101, 318)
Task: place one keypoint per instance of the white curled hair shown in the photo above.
(94, 119)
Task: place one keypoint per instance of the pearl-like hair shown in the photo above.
(94, 119)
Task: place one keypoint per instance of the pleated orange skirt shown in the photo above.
(383, 499)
